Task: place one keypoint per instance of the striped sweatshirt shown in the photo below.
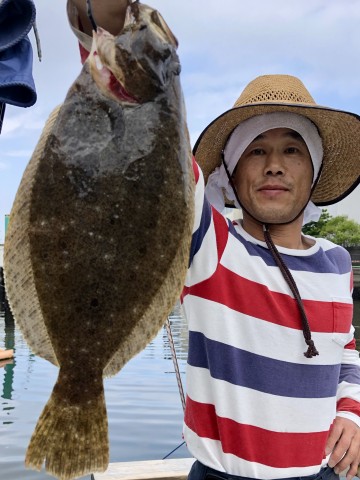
(256, 406)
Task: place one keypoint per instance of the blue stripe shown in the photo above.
(250, 370)
(335, 260)
(350, 374)
(200, 233)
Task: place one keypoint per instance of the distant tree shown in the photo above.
(342, 231)
(314, 229)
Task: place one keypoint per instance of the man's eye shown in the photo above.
(292, 150)
(257, 151)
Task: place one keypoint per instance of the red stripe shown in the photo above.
(221, 231)
(254, 299)
(185, 292)
(348, 405)
(196, 169)
(351, 345)
(254, 444)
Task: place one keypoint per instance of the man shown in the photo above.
(262, 399)
(273, 378)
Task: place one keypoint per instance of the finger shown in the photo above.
(348, 458)
(333, 438)
(353, 470)
(340, 451)
(351, 474)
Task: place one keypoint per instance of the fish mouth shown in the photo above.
(108, 82)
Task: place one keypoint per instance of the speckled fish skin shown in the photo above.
(99, 234)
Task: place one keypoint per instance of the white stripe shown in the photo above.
(350, 416)
(351, 356)
(310, 284)
(199, 200)
(348, 390)
(209, 452)
(272, 412)
(205, 261)
(328, 245)
(285, 344)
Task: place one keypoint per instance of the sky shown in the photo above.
(222, 46)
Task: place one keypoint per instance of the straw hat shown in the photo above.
(339, 130)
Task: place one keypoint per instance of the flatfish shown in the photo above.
(99, 235)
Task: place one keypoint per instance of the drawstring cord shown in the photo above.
(311, 351)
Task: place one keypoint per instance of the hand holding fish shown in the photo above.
(109, 14)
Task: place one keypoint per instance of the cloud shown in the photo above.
(222, 46)
(18, 153)
(18, 122)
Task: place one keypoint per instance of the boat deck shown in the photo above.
(172, 469)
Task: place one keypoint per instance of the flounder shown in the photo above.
(98, 241)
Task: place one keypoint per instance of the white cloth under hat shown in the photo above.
(243, 135)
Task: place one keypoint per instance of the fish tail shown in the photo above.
(72, 439)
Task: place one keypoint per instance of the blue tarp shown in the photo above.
(17, 85)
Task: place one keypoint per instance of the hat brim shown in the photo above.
(339, 130)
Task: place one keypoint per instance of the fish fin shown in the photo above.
(18, 268)
(72, 439)
(157, 311)
(167, 294)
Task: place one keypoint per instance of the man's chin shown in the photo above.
(274, 217)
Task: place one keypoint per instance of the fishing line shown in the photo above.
(178, 376)
(175, 362)
(172, 451)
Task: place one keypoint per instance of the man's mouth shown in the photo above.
(273, 190)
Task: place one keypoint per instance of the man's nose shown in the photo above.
(274, 164)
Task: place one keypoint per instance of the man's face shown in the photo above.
(274, 175)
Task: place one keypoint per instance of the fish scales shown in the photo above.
(97, 247)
